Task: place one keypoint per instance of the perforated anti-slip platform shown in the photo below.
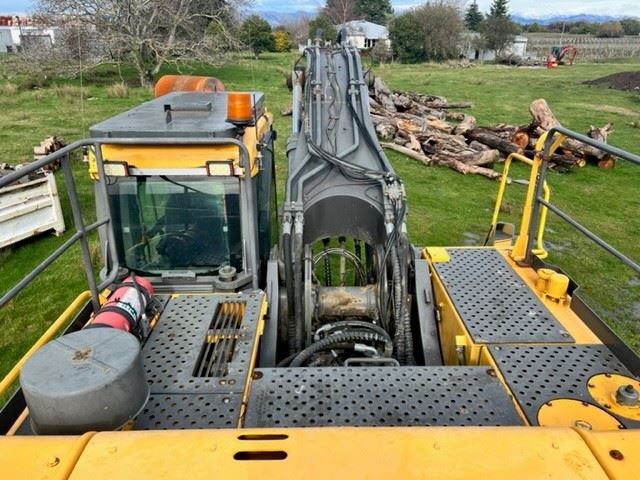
(298, 397)
(213, 410)
(172, 352)
(494, 302)
(537, 374)
(197, 360)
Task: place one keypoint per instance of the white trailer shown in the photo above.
(29, 208)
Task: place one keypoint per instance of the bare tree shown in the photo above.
(298, 30)
(149, 33)
(340, 11)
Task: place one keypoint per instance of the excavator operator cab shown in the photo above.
(190, 188)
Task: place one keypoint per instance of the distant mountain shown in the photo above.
(278, 18)
(566, 18)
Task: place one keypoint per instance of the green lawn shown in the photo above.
(446, 208)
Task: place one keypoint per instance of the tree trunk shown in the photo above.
(485, 136)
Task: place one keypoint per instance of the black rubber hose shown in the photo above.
(285, 361)
(298, 288)
(332, 340)
(360, 325)
(288, 265)
(327, 264)
(399, 333)
(406, 316)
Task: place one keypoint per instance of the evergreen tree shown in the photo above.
(256, 34)
(407, 40)
(473, 17)
(499, 8)
(375, 11)
(322, 25)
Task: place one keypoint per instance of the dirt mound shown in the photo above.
(619, 81)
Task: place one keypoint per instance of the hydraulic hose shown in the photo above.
(288, 265)
(298, 287)
(406, 317)
(399, 335)
(359, 324)
(343, 337)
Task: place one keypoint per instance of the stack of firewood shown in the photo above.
(47, 146)
(427, 129)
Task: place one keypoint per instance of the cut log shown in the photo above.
(453, 163)
(426, 126)
(441, 125)
(383, 95)
(608, 162)
(520, 138)
(564, 160)
(486, 157)
(386, 130)
(475, 145)
(601, 134)
(467, 123)
(414, 144)
(542, 114)
(488, 138)
(48, 146)
(409, 153)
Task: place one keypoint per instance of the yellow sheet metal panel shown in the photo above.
(44, 457)
(169, 156)
(325, 453)
(617, 452)
(567, 412)
(450, 325)
(617, 393)
(436, 254)
(186, 156)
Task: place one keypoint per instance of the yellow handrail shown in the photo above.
(518, 250)
(46, 336)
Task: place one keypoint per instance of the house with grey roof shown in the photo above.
(363, 34)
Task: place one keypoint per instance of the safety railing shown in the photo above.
(537, 202)
(540, 251)
(248, 220)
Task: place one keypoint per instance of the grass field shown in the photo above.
(446, 208)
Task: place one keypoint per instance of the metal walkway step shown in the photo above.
(376, 396)
(495, 304)
(197, 361)
(538, 374)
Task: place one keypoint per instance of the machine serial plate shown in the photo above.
(361, 396)
(494, 303)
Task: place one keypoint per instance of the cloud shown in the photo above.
(547, 8)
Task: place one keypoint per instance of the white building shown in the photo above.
(363, 34)
(13, 37)
(470, 50)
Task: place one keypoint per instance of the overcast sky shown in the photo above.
(539, 8)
